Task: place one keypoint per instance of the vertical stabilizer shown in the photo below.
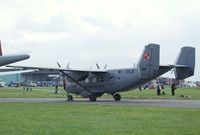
(185, 63)
(149, 61)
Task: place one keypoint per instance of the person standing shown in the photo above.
(173, 88)
(158, 89)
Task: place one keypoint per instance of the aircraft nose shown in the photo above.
(26, 56)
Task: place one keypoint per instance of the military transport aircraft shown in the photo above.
(8, 59)
(94, 83)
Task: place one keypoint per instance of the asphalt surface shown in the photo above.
(100, 101)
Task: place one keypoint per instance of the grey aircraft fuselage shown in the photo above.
(114, 81)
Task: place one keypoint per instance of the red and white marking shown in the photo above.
(147, 55)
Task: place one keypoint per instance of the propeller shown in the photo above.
(68, 65)
(64, 78)
(99, 67)
(172, 71)
(58, 64)
(105, 66)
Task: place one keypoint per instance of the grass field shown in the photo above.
(74, 119)
(37, 92)
(68, 119)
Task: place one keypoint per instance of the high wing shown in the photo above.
(59, 69)
(10, 72)
(74, 75)
(9, 59)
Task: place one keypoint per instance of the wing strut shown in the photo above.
(86, 89)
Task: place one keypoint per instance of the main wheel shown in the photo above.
(93, 98)
(117, 97)
(69, 98)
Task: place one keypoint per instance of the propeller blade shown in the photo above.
(105, 66)
(97, 66)
(68, 65)
(58, 64)
(172, 71)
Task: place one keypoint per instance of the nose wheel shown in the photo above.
(117, 97)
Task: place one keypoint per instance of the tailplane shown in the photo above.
(149, 61)
(185, 63)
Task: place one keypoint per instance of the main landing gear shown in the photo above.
(92, 98)
(69, 98)
(117, 97)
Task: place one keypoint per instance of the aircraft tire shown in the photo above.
(69, 98)
(117, 97)
(93, 98)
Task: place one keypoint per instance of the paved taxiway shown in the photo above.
(127, 102)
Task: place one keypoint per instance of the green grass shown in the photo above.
(37, 92)
(193, 93)
(68, 119)
(48, 92)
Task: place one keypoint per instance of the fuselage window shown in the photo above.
(94, 80)
(130, 71)
(102, 79)
(111, 78)
(87, 80)
(119, 78)
(119, 71)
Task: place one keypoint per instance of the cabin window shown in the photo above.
(94, 80)
(119, 78)
(130, 71)
(119, 71)
(111, 78)
(102, 79)
(87, 80)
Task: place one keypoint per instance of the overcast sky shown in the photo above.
(111, 32)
